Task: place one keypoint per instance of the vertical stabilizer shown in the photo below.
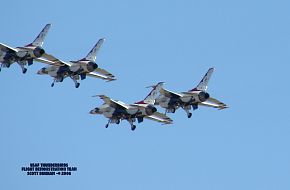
(150, 98)
(93, 53)
(202, 86)
(39, 40)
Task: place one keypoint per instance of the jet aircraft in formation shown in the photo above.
(76, 70)
(114, 110)
(171, 101)
(23, 55)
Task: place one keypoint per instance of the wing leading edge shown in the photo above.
(160, 117)
(111, 102)
(6, 48)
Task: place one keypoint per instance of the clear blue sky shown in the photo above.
(244, 147)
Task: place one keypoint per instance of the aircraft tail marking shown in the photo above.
(202, 86)
(93, 53)
(39, 40)
(150, 98)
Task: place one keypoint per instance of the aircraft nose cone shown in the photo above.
(42, 71)
(94, 111)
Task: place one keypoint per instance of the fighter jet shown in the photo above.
(76, 70)
(23, 55)
(116, 110)
(171, 101)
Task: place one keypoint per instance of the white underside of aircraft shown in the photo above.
(171, 101)
(23, 55)
(76, 70)
(117, 111)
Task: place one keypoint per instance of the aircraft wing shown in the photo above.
(51, 60)
(210, 99)
(208, 104)
(159, 117)
(169, 94)
(104, 72)
(96, 75)
(211, 102)
(6, 48)
(112, 103)
(41, 60)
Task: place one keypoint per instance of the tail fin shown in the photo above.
(203, 83)
(150, 98)
(41, 36)
(93, 53)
